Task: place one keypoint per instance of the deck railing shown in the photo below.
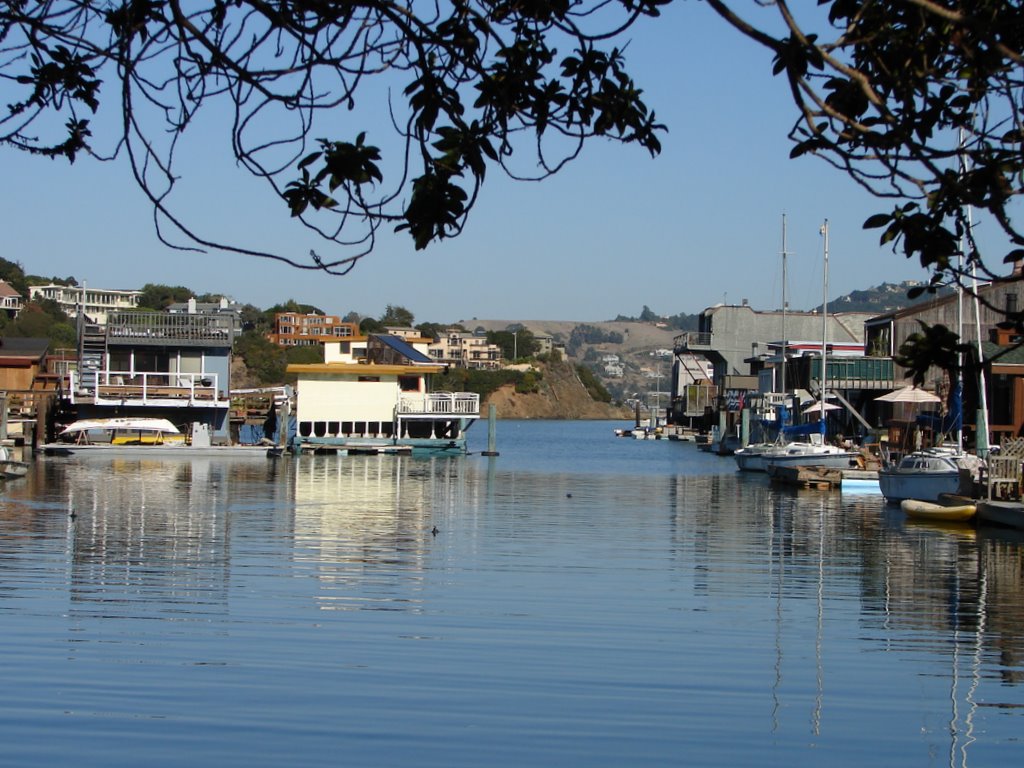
(691, 340)
(157, 389)
(148, 327)
(439, 404)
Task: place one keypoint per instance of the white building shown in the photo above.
(466, 350)
(94, 303)
(374, 394)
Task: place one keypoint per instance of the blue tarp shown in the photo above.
(811, 428)
(252, 434)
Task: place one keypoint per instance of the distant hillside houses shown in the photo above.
(94, 303)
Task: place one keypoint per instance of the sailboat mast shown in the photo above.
(981, 421)
(824, 319)
(782, 386)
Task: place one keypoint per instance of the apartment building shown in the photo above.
(466, 350)
(297, 329)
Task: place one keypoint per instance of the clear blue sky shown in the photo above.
(615, 231)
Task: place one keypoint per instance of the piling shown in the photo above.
(492, 419)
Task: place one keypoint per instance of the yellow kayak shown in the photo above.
(927, 510)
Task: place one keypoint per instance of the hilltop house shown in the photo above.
(94, 303)
(10, 299)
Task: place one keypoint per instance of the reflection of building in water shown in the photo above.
(358, 512)
(151, 530)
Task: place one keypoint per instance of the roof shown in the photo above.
(18, 346)
(405, 349)
(7, 290)
(998, 355)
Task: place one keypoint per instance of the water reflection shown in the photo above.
(617, 611)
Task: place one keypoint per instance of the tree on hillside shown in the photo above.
(158, 297)
(396, 316)
(14, 276)
(514, 344)
(44, 320)
(474, 84)
(293, 306)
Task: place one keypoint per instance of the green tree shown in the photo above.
(158, 297)
(369, 325)
(482, 84)
(396, 316)
(14, 276)
(514, 345)
(44, 320)
(264, 360)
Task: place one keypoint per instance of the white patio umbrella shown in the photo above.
(910, 394)
(817, 407)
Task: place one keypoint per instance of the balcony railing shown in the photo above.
(106, 387)
(465, 404)
(154, 327)
(691, 340)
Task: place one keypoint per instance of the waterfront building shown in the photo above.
(158, 364)
(377, 397)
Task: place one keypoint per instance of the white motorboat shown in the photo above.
(139, 436)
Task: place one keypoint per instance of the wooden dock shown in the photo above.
(823, 478)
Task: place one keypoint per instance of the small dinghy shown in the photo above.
(928, 510)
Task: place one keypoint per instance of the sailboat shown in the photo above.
(814, 452)
(927, 475)
(750, 458)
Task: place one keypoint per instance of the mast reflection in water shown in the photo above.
(579, 599)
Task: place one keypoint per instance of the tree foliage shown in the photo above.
(593, 385)
(514, 344)
(13, 274)
(474, 84)
(919, 103)
(44, 320)
(397, 316)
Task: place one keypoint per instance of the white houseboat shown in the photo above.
(373, 396)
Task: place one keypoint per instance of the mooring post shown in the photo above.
(492, 419)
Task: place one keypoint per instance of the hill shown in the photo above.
(560, 395)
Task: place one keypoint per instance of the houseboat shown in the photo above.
(373, 395)
(155, 366)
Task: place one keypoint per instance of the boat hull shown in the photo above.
(898, 485)
(926, 510)
(751, 458)
(844, 460)
(172, 451)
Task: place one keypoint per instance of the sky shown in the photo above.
(614, 232)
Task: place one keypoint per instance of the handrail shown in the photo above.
(441, 403)
(147, 387)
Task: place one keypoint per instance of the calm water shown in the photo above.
(587, 600)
